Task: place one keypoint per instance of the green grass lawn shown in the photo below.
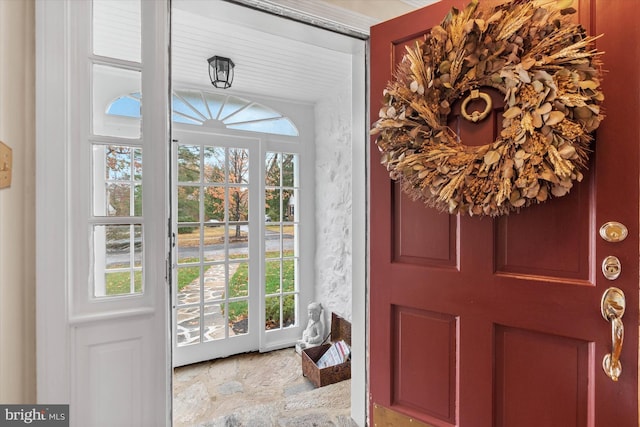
(186, 275)
(119, 283)
(238, 287)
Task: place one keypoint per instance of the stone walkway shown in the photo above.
(257, 390)
(188, 319)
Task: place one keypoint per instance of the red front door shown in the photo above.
(481, 322)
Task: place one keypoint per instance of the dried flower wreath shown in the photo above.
(547, 69)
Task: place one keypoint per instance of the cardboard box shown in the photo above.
(340, 330)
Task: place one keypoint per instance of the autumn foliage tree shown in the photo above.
(224, 173)
(279, 173)
(219, 169)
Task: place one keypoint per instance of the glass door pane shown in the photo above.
(214, 304)
(281, 276)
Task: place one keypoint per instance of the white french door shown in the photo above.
(237, 262)
(215, 305)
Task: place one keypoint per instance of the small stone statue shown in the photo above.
(314, 334)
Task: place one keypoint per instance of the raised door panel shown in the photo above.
(541, 379)
(561, 249)
(112, 366)
(422, 236)
(425, 373)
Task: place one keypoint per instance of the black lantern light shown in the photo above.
(221, 71)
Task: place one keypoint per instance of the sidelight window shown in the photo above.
(116, 223)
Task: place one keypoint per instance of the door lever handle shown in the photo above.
(612, 307)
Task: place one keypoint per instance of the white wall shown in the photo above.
(341, 156)
(334, 127)
(17, 204)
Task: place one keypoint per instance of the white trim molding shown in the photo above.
(52, 228)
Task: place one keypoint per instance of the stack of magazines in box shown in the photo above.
(337, 354)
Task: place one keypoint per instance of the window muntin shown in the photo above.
(231, 106)
(251, 113)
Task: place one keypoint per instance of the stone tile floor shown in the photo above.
(188, 319)
(257, 390)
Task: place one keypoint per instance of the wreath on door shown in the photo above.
(549, 73)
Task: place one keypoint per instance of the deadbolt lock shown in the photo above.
(611, 267)
(613, 231)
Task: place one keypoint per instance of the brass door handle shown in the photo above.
(612, 307)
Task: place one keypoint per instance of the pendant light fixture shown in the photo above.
(221, 71)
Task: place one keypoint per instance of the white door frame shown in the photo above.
(358, 49)
(55, 356)
(359, 233)
(52, 340)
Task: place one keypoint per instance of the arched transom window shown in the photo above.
(201, 108)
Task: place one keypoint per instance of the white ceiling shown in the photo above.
(377, 10)
(274, 56)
